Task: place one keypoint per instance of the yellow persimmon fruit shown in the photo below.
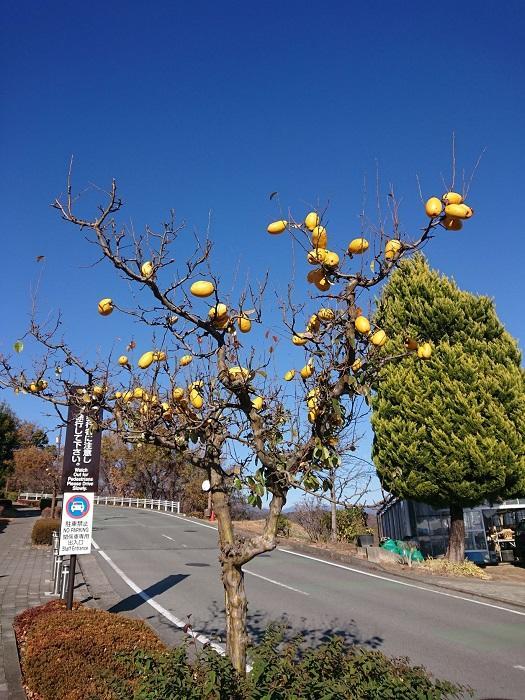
(362, 324)
(433, 207)
(323, 285)
(235, 371)
(277, 227)
(452, 224)
(459, 211)
(315, 275)
(218, 312)
(326, 315)
(140, 393)
(258, 403)
(202, 288)
(298, 339)
(177, 393)
(123, 360)
(313, 323)
(331, 259)
(118, 394)
(392, 249)
(159, 356)
(185, 360)
(312, 220)
(357, 364)
(378, 338)
(319, 237)
(146, 359)
(452, 198)
(357, 246)
(244, 324)
(147, 269)
(316, 256)
(196, 399)
(41, 384)
(127, 396)
(105, 307)
(306, 371)
(424, 351)
(312, 416)
(289, 375)
(98, 390)
(33, 387)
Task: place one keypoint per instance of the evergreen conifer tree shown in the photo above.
(450, 430)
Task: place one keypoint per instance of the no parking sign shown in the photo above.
(77, 523)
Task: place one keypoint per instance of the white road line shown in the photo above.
(165, 613)
(277, 583)
(186, 520)
(402, 583)
(168, 537)
(520, 668)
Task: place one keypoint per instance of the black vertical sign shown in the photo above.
(81, 450)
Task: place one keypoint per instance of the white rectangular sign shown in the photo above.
(77, 523)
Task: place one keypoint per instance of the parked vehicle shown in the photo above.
(519, 551)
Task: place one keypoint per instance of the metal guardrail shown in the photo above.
(148, 503)
(151, 503)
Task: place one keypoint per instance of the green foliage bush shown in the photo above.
(94, 655)
(43, 529)
(351, 522)
(283, 526)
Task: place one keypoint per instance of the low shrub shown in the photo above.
(351, 522)
(332, 671)
(90, 654)
(444, 567)
(47, 512)
(283, 526)
(67, 651)
(43, 529)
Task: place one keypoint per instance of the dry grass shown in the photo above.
(444, 567)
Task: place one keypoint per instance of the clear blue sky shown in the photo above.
(209, 107)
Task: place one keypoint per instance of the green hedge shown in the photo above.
(43, 529)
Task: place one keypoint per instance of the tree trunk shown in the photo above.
(54, 499)
(235, 602)
(456, 536)
(333, 509)
(236, 608)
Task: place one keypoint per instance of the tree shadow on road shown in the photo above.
(134, 601)
(294, 626)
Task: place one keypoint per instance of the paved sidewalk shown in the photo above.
(24, 574)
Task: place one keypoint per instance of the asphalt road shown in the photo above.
(172, 562)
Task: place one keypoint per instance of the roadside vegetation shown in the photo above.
(83, 653)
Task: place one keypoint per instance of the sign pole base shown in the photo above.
(71, 581)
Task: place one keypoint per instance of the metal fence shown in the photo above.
(148, 503)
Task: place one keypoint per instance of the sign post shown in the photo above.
(79, 485)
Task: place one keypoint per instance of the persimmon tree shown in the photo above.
(203, 389)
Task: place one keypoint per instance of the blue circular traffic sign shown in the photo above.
(77, 507)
